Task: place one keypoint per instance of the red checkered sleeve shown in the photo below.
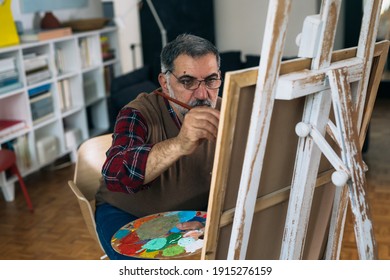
(124, 168)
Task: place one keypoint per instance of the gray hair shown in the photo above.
(186, 44)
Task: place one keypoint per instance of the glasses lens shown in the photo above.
(190, 83)
(213, 83)
(193, 84)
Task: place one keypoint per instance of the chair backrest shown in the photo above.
(90, 158)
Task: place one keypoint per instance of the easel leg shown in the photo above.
(352, 157)
(336, 229)
(316, 112)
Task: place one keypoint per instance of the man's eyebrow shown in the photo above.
(213, 75)
(187, 76)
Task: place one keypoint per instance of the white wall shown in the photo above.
(128, 21)
(94, 9)
(240, 24)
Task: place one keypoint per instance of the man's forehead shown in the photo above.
(185, 63)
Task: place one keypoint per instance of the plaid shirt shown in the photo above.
(124, 168)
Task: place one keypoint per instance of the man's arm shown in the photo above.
(124, 168)
(201, 123)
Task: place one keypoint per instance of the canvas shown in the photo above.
(272, 200)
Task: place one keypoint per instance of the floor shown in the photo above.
(56, 229)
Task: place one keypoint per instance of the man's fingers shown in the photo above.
(202, 118)
(200, 123)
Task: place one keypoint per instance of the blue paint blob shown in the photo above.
(121, 233)
(185, 216)
(174, 230)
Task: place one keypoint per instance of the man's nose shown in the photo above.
(201, 92)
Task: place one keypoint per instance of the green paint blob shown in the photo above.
(157, 227)
(186, 241)
(173, 238)
(173, 251)
(155, 244)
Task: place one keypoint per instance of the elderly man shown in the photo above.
(162, 153)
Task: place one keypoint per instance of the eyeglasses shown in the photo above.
(191, 83)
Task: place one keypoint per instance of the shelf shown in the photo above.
(74, 77)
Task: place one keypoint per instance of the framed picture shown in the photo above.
(28, 6)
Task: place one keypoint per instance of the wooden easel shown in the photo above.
(325, 82)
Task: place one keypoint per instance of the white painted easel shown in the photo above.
(325, 84)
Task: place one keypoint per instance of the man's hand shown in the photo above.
(199, 123)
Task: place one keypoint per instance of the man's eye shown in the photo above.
(187, 82)
(211, 81)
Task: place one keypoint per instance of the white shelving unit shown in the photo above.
(76, 66)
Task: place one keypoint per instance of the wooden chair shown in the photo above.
(8, 162)
(90, 158)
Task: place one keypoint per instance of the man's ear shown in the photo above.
(162, 79)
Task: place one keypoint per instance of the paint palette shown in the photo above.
(157, 236)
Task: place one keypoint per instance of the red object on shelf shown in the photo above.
(10, 126)
(8, 162)
(50, 21)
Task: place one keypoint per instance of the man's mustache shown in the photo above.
(200, 102)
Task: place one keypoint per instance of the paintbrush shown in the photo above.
(188, 107)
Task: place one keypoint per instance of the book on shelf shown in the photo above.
(108, 77)
(11, 87)
(84, 45)
(8, 74)
(43, 118)
(34, 61)
(64, 94)
(42, 35)
(38, 90)
(60, 60)
(7, 63)
(20, 146)
(41, 105)
(107, 52)
(89, 89)
(8, 78)
(38, 114)
(36, 67)
(38, 76)
(43, 96)
(61, 96)
(22, 151)
(9, 126)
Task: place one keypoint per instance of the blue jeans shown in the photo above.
(109, 220)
